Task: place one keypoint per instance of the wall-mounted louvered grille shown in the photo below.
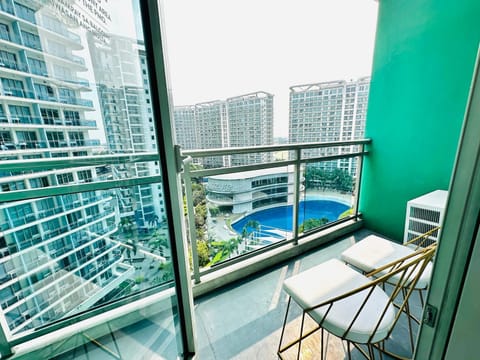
(423, 214)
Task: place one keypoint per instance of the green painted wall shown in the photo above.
(423, 63)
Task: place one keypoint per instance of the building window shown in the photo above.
(13, 87)
(38, 67)
(50, 116)
(27, 139)
(71, 117)
(66, 178)
(8, 59)
(25, 12)
(4, 32)
(45, 92)
(31, 40)
(39, 182)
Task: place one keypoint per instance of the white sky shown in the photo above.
(223, 48)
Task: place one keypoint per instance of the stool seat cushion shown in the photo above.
(374, 252)
(334, 278)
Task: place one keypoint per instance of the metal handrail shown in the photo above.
(267, 148)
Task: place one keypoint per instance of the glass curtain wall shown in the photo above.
(84, 220)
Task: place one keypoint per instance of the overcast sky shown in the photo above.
(223, 48)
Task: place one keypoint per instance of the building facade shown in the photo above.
(211, 127)
(250, 123)
(245, 120)
(185, 127)
(326, 112)
(250, 190)
(122, 85)
(56, 254)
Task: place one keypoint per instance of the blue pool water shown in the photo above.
(280, 217)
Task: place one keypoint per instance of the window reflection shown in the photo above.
(72, 89)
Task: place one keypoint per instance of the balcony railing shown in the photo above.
(4, 6)
(76, 101)
(60, 30)
(237, 212)
(13, 65)
(18, 93)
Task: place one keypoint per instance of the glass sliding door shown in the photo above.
(87, 259)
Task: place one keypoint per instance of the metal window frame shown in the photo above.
(458, 237)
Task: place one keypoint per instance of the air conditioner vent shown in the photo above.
(425, 213)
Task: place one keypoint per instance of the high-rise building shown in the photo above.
(329, 111)
(212, 130)
(56, 255)
(185, 128)
(250, 122)
(122, 85)
(240, 121)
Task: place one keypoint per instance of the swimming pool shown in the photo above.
(280, 217)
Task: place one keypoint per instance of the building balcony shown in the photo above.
(78, 81)
(13, 65)
(60, 30)
(18, 93)
(7, 7)
(26, 120)
(243, 321)
(238, 263)
(76, 101)
(26, 145)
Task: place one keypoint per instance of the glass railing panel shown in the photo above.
(327, 193)
(239, 212)
(7, 7)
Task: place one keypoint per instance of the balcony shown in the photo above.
(18, 93)
(7, 7)
(410, 154)
(26, 120)
(78, 81)
(60, 30)
(13, 65)
(76, 101)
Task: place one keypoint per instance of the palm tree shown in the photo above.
(153, 221)
(128, 236)
(126, 227)
(129, 246)
(250, 227)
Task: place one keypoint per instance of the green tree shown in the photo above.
(214, 211)
(198, 194)
(128, 236)
(127, 227)
(166, 269)
(203, 253)
(249, 228)
(158, 242)
(310, 224)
